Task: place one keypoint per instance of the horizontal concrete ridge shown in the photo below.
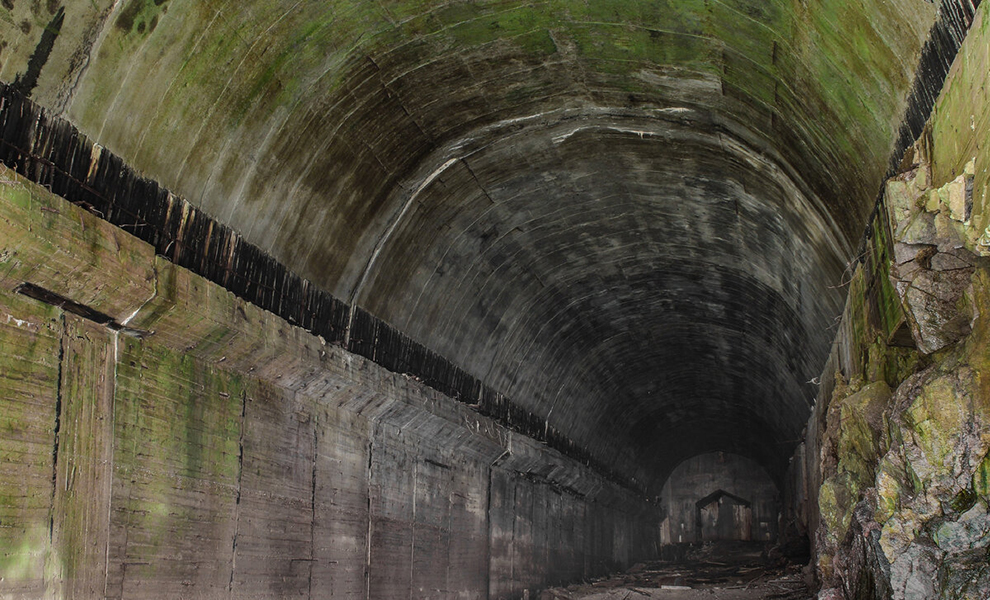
(227, 453)
(52, 152)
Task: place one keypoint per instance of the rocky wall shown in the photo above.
(902, 434)
(163, 438)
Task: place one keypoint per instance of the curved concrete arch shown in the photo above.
(536, 191)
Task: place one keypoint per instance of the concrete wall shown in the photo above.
(703, 475)
(162, 438)
(723, 157)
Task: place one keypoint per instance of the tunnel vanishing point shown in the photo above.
(467, 298)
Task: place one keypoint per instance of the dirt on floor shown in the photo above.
(713, 571)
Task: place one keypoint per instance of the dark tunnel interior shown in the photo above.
(621, 229)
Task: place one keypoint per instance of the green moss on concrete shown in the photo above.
(38, 244)
(536, 43)
(79, 515)
(960, 118)
(218, 99)
(888, 301)
(845, 54)
(30, 335)
(856, 321)
(958, 125)
(140, 17)
(21, 561)
(471, 26)
(177, 430)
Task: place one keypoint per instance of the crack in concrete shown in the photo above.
(237, 499)
(113, 429)
(312, 500)
(52, 554)
(375, 432)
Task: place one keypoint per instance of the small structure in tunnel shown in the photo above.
(718, 496)
(722, 516)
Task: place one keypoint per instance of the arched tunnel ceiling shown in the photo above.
(628, 216)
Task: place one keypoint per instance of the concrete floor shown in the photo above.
(712, 572)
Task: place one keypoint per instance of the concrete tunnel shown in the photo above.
(467, 298)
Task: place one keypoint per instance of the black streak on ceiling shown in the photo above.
(26, 83)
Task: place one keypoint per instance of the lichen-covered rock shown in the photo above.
(932, 480)
(916, 459)
(855, 438)
(937, 307)
(862, 426)
(958, 197)
(917, 229)
(969, 532)
(966, 576)
(931, 270)
(981, 479)
(948, 433)
(831, 594)
(898, 534)
(892, 484)
(905, 194)
(835, 500)
(914, 575)
(926, 448)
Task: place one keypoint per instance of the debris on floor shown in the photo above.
(712, 571)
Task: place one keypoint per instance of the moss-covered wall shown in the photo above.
(168, 440)
(552, 195)
(902, 435)
(234, 104)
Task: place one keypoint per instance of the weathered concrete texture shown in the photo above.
(230, 454)
(83, 480)
(550, 193)
(665, 252)
(51, 152)
(634, 218)
(175, 463)
(545, 530)
(30, 339)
